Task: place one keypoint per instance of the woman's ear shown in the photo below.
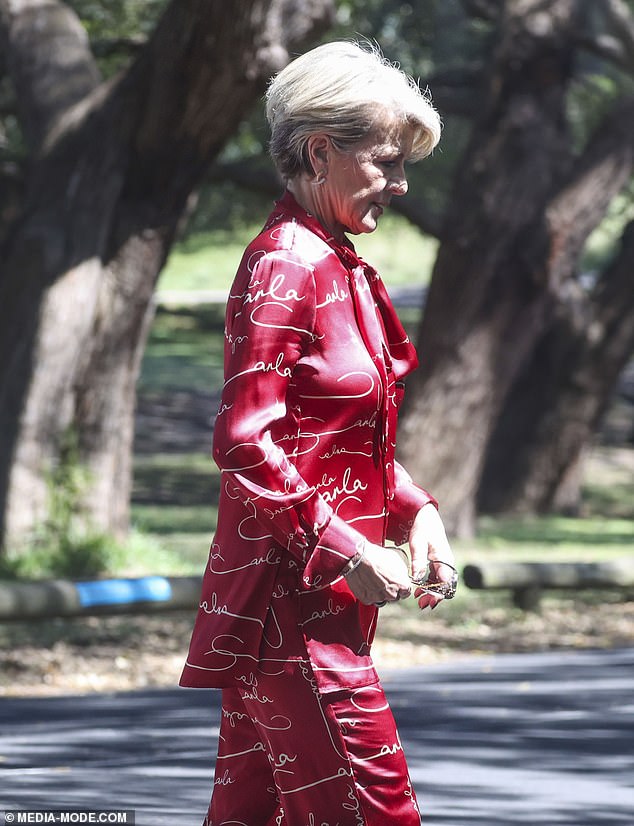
(319, 148)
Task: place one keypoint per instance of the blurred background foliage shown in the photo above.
(445, 46)
(438, 42)
(435, 41)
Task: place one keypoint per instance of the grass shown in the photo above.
(399, 252)
(184, 534)
(208, 261)
(176, 496)
(176, 483)
(185, 351)
(175, 491)
(175, 506)
(543, 538)
(176, 486)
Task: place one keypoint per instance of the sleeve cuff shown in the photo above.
(336, 546)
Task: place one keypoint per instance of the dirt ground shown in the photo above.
(123, 653)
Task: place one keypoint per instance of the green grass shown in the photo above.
(604, 528)
(188, 485)
(184, 532)
(184, 351)
(208, 261)
(549, 537)
(175, 493)
(399, 252)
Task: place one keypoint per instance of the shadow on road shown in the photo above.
(515, 739)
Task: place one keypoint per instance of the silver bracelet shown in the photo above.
(354, 563)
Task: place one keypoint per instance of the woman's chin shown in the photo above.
(369, 225)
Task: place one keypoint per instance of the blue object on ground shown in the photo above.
(124, 591)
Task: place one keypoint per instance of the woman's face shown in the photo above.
(360, 182)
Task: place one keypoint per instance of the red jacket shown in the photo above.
(314, 361)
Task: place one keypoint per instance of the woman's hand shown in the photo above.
(382, 575)
(428, 544)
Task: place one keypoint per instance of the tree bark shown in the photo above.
(489, 296)
(112, 168)
(558, 201)
(535, 453)
(564, 390)
(519, 215)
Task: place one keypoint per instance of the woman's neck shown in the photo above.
(310, 196)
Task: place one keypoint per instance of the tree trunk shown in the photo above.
(505, 275)
(488, 298)
(113, 166)
(564, 390)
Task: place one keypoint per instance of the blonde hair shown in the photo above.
(345, 91)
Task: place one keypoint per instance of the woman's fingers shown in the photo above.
(382, 576)
(427, 600)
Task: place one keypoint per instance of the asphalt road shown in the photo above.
(518, 739)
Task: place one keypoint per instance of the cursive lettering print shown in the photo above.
(271, 557)
(335, 450)
(366, 387)
(304, 438)
(234, 342)
(348, 485)
(272, 290)
(224, 780)
(336, 294)
(331, 610)
(305, 446)
(261, 312)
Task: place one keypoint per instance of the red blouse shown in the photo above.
(305, 436)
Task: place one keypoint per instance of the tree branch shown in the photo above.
(170, 82)
(601, 172)
(616, 43)
(255, 174)
(604, 323)
(455, 90)
(483, 9)
(418, 212)
(49, 61)
(621, 21)
(607, 47)
(12, 187)
(613, 293)
(108, 47)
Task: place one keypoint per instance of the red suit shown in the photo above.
(305, 436)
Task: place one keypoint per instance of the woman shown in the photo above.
(311, 494)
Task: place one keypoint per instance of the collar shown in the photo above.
(287, 206)
(402, 352)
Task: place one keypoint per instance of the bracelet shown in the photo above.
(354, 563)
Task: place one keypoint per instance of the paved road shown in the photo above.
(532, 739)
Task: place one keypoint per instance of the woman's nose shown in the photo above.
(398, 184)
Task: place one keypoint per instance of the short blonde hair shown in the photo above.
(345, 91)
